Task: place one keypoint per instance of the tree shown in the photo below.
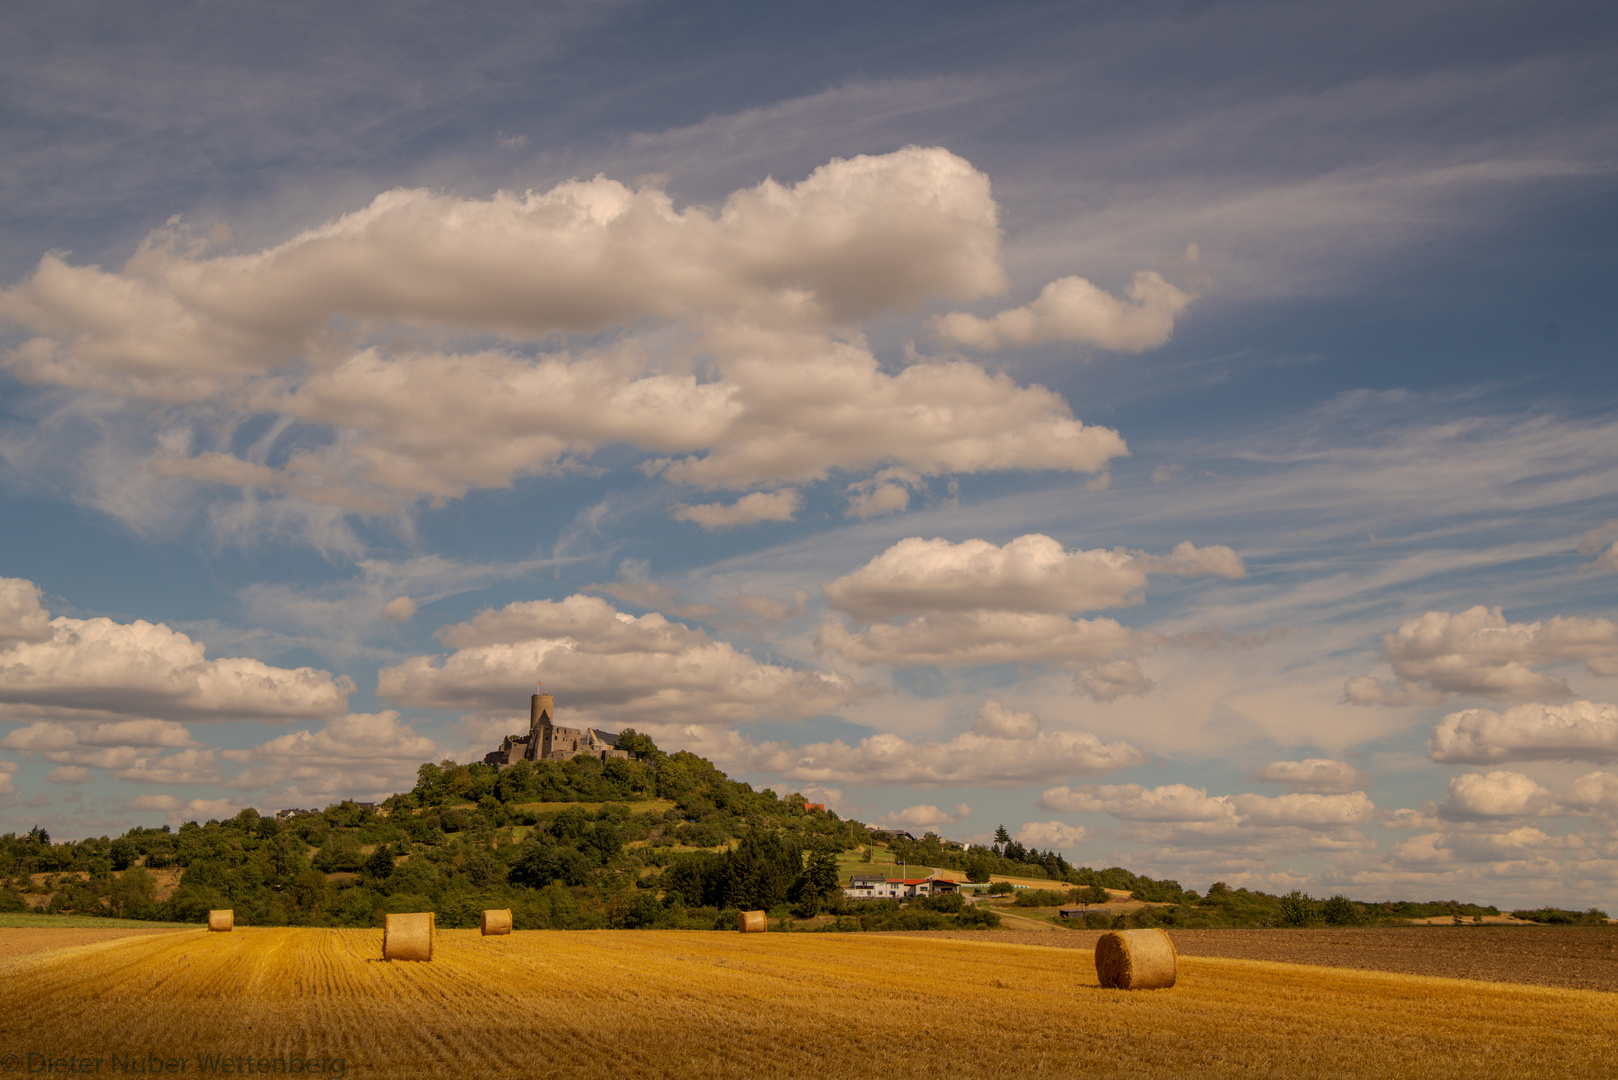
(379, 865)
(1341, 911)
(1298, 909)
(822, 873)
(122, 852)
(1001, 839)
(639, 746)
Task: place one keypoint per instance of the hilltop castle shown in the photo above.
(546, 741)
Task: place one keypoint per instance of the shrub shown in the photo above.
(1299, 909)
(1001, 888)
(1341, 911)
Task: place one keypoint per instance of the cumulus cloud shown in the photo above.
(1477, 652)
(1003, 749)
(925, 817)
(360, 753)
(94, 668)
(1494, 795)
(8, 786)
(617, 669)
(1071, 309)
(1572, 731)
(1032, 573)
(399, 609)
(1320, 776)
(340, 331)
(981, 603)
(982, 637)
(1180, 803)
(1111, 681)
(1050, 835)
(748, 510)
(22, 619)
(998, 722)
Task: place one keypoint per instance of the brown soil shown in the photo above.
(1578, 957)
(31, 939)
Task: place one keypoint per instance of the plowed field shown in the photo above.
(703, 1005)
(1576, 957)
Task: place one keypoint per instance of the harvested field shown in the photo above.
(1576, 957)
(671, 1004)
(45, 939)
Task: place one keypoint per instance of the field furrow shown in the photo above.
(675, 1004)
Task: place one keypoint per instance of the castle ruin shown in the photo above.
(546, 741)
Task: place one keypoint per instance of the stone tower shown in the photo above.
(541, 717)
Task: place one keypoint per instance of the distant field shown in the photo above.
(83, 922)
(669, 1004)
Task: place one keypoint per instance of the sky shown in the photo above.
(1183, 433)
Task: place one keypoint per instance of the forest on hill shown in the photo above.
(658, 841)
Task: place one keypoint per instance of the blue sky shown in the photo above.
(1183, 433)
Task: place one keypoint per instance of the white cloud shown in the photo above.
(983, 637)
(1593, 540)
(197, 766)
(1498, 794)
(616, 669)
(95, 668)
(8, 786)
(1321, 776)
(360, 753)
(1477, 652)
(399, 609)
(22, 619)
(1592, 793)
(734, 351)
(1050, 835)
(998, 722)
(1071, 309)
(974, 758)
(751, 509)
(925, 817)
(1573, 731)
(1032, 573)
(69, 774)
(1180, 803)
(1113, 680)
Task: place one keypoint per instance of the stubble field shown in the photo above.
(670, 1004)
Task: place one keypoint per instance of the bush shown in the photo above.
(1044, 898)
(1299, 909)
(948, 903)
(1341, 911)
(1001, 888)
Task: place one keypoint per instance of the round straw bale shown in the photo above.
(751, 922)
(496, 922)
(222, 921)
(1135, 960)
(408, 937)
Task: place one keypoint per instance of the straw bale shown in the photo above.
(496, 922)
(222, 921)
(751, 922)
(1136, 960)
(408, 937)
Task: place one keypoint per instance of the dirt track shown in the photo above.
(31, 939)
(1579, 957)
